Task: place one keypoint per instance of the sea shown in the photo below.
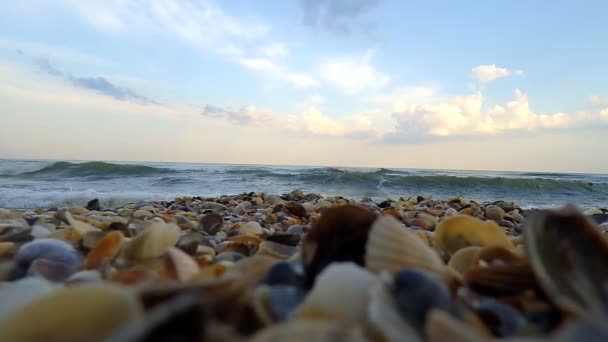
(28, 184)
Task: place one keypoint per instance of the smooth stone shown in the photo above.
(502, 319)
(93, 205)
(285, 239)
(283, 300)
(295, 209)
(495, 213)
(242, 207)
(39, 232)
(190, 241)
(417, 293)
(297, 229)
(274, 200)
(283, 273)
(49, 249)
(141, 214)
(251, 228)
(214, 206)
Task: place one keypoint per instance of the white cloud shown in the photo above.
(275, 50)
(203, 25)
(353, 75)
(598, 100)
(490, 72)
(465, 116)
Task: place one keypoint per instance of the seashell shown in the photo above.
(385, 321)
(274, 304)
(441, 326)
(285, 239)
(503, 320)
(97, 309)
(7, 249)
(90, 276)
(211, 223)
(495, 213)
(464, 259)
(295, 209)
(276, 250)
(80, 227)
(393, 212)
(49, 249)
(105, 249)
(142, 214)
(39, 232)
(251, 228)
(243, 248)
(500, 279)
(283, 273)
(568, 254)
(152, 242)
(241, 208)
(229, 256)
(340, 293)
(459, 231)
(247, 239)
(339, 235)
(190, 242)
(307, 331)
(417, 292)
(591, 329)
(210, 272)
(14, 295)
(497, 254)
(392, 247)
(90, 239)
(51, 270)
(180, 265)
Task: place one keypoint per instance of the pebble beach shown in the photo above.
(300, 266)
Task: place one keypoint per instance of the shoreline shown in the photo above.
(245, 266)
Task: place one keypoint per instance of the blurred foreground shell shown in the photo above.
(568, 255)
(461, 231)
(82, 313)
(309, 331)
(153, 242)
(393, 247)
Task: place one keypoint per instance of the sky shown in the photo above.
(494, 85)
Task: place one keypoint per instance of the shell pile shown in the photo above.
(302, 267)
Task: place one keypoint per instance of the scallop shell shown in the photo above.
(392, 247)
(340, 293)
(441, 326)
(568, 255)
(81, 227)
(81, 313)
(276, 250)
(459, 231)
(180, 265)
(105, 249)
(501, 279)
(464, 259)
(308, 331)
(153, 242)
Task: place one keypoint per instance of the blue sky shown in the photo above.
(511, 85)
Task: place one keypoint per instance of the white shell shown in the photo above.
(392, 247)
(341, 292)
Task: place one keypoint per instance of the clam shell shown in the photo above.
(392, 247)
(105, 249)
(464, 259)
(501, 279)
(152, 242)
(180, 264)
(276, 250)
(568, 255)
(459, 231)
(81, 227)
(340, 293)
(81, 313)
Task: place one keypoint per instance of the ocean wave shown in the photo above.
(95, 169)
